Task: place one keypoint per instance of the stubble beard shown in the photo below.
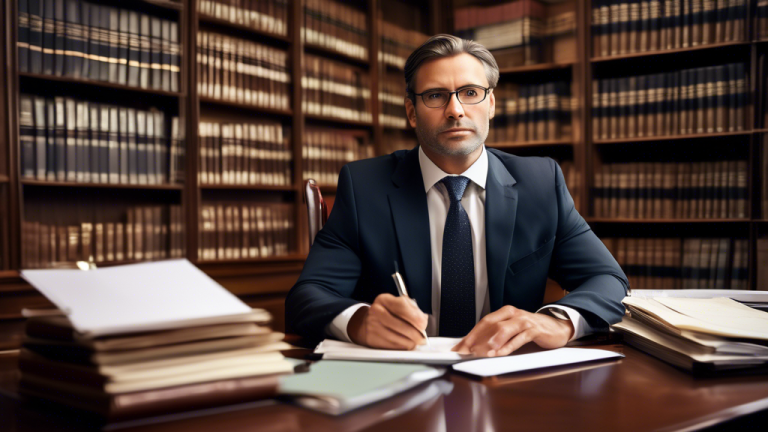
(429, 138)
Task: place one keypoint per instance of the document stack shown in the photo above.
(157, 364)
(701, 335)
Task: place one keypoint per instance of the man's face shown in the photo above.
(453, 129)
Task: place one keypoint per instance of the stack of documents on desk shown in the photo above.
(698, 334)
(146, 339)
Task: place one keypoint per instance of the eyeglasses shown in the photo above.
(471, 95)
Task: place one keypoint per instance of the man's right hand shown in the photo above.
(389, 323)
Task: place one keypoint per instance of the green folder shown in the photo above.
(336, 387)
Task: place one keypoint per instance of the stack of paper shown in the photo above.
(697, 334)
(437, 352)
(146, 339)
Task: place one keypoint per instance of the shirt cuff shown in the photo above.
(338, 327)
(580, 326)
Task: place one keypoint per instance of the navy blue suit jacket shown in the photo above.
(380, 215)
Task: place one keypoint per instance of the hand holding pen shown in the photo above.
(390, 322)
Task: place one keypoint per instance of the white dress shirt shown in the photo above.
(473, 202)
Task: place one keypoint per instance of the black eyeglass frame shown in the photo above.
(456, 92)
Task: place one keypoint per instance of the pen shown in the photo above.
(404, 293)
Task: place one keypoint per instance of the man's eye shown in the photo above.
(434, 96)
(471, 92)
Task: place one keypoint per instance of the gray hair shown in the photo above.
(445, 45)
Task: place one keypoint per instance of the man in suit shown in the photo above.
(475, 232)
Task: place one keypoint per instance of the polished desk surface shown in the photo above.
(637, 393)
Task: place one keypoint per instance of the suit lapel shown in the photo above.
(408, 203)
(500, 214)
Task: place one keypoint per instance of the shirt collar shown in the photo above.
(432, 174)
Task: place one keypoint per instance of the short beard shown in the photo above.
(429, 139)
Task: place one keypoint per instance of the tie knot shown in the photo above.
(456, 186)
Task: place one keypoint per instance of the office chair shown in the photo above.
(317, 211)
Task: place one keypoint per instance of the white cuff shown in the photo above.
(338, 327)
(580, 326)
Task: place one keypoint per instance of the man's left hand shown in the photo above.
(502, 332)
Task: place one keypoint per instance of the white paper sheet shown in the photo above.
(137, 297)
(438, 352)
(523, 362)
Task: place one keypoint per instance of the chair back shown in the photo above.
(317, 211)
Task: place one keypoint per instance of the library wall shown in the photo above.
(152, 129)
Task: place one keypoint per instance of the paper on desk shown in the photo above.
(720, 317)
(437, 352)
(137, 297)
(523, 362)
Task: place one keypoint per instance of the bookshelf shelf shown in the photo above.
(272, 259)
(663, 221)
(208, 19)
(525, 144)
(254, 108)
(761, 130)
(667, 52)
(45, 183)
(328, 119)
(670, 138)
(288, 188)
(535, 68)
(166, 4)
(4, 179)
(97, 84)
(335, 55)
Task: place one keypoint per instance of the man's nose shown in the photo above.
(454, 109)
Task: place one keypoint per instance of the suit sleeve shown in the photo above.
(582, 265)
(332, 269)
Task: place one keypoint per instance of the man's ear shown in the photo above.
(492, 105)
(410, 111)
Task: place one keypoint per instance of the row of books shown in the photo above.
(64, 139)
(515, 28)
(143, 233)
(79, 39)
(394, 140)
(572, 181)
(392, 100)
(241, 71)
(682, 263)
(763, 143)
(665, 190)
(240, 231)
(397, 43)
(761, 20)
(630, 26)
(335, 26)
(256, 153)
(532, 112)
(325, 151)
(269, 16)
(335, 90)
(691, 101)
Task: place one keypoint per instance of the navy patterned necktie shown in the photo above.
(457, 280)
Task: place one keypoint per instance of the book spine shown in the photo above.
(114, 146)
(60, 140)
(94, 146)
(27, 136)
(71, 139)
(23, 42)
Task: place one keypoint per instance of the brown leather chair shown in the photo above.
(317, 211)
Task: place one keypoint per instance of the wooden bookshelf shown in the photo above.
(524, 144)
(60, 184)
(338, 121)
(268, 279)
(671, 138)
(253, 108)
(276, 188)
(338, 56)
(535, 68)
(669, 51)
(207, 19)
(96, 84)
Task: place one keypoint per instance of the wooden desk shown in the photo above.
(637, 393)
